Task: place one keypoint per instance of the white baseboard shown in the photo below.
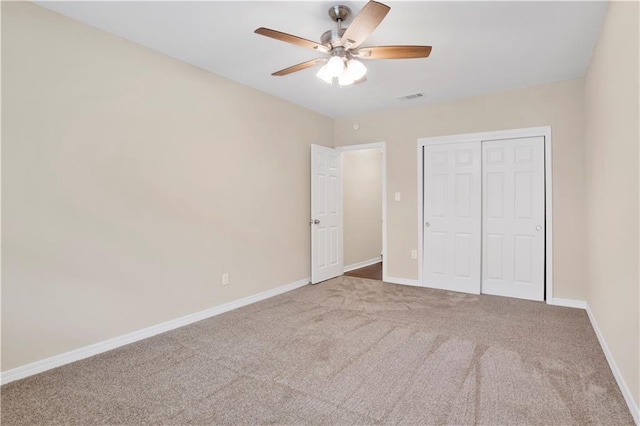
(626, 393)
(107, 345)
(402, 281)
(568, 303)
(363, 264)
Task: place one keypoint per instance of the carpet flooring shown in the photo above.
(346, 351)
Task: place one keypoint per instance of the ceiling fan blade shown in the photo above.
(288, 38)
(364, 23)
(393, 52)
(299, 67)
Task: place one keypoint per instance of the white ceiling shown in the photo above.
(478, 47)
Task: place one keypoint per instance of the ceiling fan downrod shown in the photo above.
(332, 38)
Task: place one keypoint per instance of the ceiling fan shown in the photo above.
(342, 45)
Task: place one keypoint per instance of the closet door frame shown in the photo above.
(545, 132)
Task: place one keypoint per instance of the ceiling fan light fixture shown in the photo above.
(356, 69)
(324, 75)
(335, 66)
(345, 78)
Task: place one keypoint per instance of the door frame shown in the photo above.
(544, 131)
(382, 146)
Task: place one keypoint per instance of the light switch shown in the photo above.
(414, 254)
(397, 196)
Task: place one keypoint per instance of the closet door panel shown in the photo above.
(452, 216)
(513, 215)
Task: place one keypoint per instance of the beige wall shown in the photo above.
(362, 195)
(559, 105)
(132, 181)
(612, 139)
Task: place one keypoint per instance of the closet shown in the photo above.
(484, 216)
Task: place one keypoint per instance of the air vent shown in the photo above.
(410, 97)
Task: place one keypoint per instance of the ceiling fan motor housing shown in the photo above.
(332, 38)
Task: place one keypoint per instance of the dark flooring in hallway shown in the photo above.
(372, 272)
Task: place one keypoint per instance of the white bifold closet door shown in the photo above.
(452, 217)
(513, 218)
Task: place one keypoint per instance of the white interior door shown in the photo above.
(513, 218)
(452, 216)
(326, 213)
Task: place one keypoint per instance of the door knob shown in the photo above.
(538, 228)
(427, 224)
(314, 222)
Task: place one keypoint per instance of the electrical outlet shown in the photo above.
(225, 278)
(414, 254)
(397, 196)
